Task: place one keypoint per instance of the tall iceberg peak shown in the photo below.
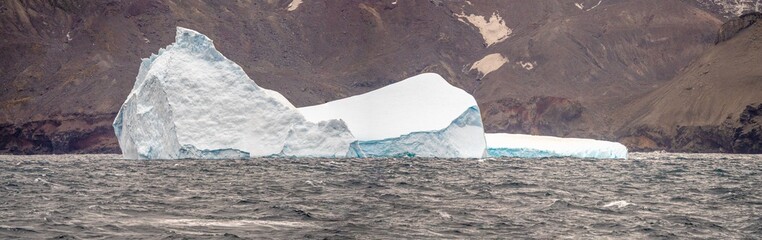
(189, 101)
(196, 42)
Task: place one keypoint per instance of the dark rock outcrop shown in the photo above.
(65, 134)
(734, 26)
(645, 138)
(748, 136)
(539, 116)
(708, 138)
(742, 135)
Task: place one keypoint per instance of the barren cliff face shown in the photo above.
(544, 67)
(711, 104)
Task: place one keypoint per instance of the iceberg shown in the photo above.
(189, 101)
(422, 116)
(463, 138)
(528, 146)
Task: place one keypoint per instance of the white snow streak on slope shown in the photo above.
(596, 5)
(582, 6)
(425, 102)
(294, 5)
(493, 30)
(527, 65)
(489, 63)
(734, 7)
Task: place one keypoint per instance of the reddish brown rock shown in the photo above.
(80, 58)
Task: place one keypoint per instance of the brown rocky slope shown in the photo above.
(713, 105)
(545, 67)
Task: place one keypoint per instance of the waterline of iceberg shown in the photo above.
(529, 146)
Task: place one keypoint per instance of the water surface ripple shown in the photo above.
(651, 195)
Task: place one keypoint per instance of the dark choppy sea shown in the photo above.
(651, 195)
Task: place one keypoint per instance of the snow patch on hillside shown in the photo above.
(581, 6)
(294, 5)
(527, 65)
(492, 29)
(489, 63)
(733, 7)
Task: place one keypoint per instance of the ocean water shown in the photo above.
(650, 195)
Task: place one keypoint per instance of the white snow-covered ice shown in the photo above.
(463, 138)
(421, 116)
(189, 101)
(529, 146)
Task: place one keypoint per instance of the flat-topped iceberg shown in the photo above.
(529, 146)
(189, 101)
(463, 138)
(420, 116)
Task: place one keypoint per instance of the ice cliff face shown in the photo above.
(463, 138)
(421, 116)
(189, 101)
(528, 146)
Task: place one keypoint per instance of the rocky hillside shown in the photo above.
(713, 105)
(730, 8)
(536, 66)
